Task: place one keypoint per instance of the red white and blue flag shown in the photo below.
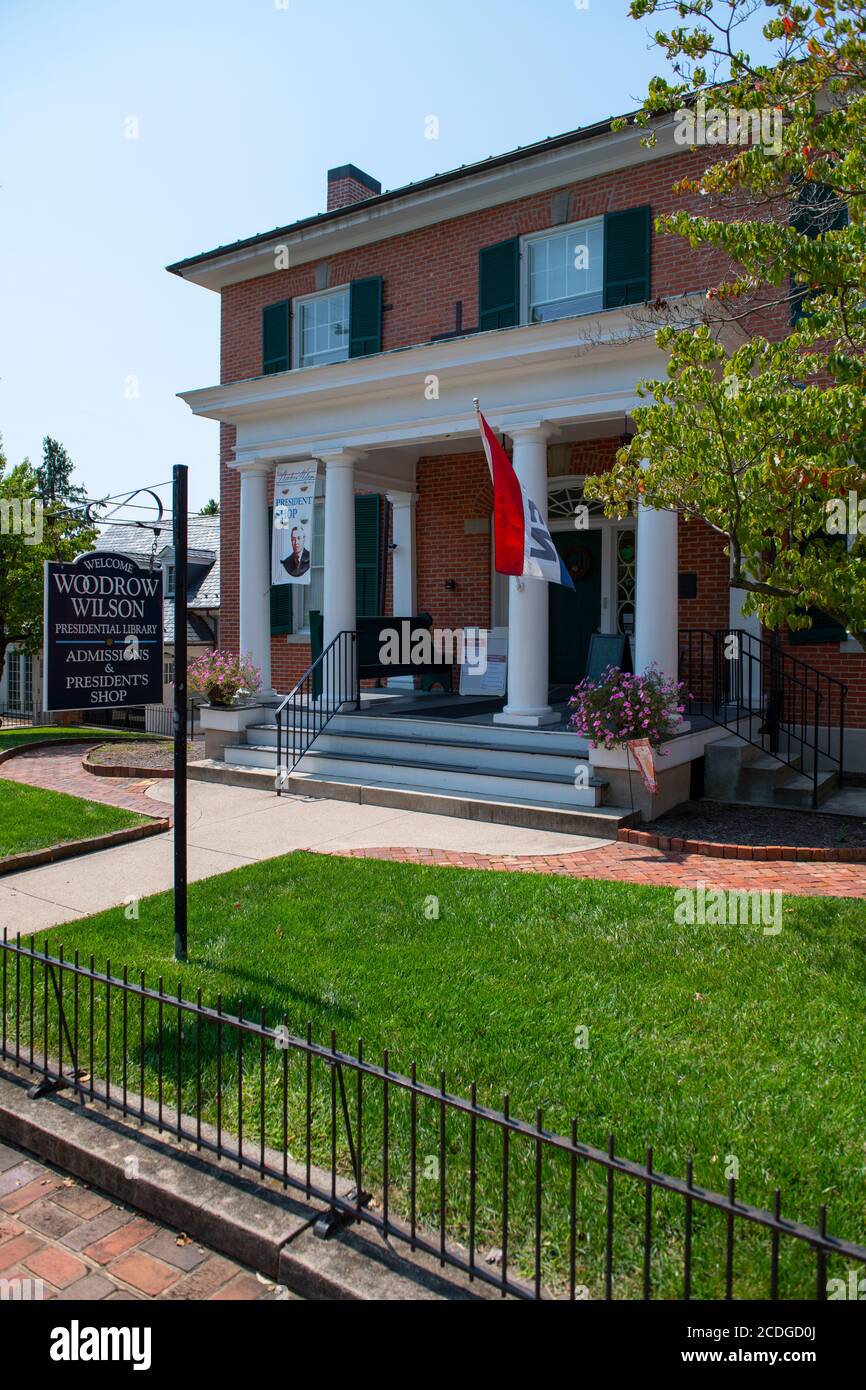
(522, 542)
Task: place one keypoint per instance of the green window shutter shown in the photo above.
(823, 629)
(365, 316)
(276, 337)
(627, 252)
(816, 210)
(281, 596)
(367, 554)
(499, 285)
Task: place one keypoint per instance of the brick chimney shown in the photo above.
(348, 184)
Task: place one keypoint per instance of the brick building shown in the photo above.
(359, 338)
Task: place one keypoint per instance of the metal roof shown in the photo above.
(465, 171)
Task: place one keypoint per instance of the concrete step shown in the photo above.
(451, 731)
(404, 745)
(797, 791)
(523, 783)
(600, 822)
(738, 771)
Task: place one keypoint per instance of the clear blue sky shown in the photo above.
(242, 106)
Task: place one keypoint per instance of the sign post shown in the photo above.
(179, 516)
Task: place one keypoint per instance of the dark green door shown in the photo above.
(575, 616)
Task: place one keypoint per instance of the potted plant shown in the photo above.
(621, 707)
(221, 676)
(627, 718)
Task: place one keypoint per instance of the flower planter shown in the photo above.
(673, 765)
(223, 724)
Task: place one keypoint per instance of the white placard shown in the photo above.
(492, 680)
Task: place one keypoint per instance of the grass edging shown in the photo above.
(34, 859)
(826, 854)
(17, 748)
(121, 769)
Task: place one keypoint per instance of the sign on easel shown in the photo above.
(103, 634)
(489, 678)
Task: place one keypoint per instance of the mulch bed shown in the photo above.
(719, 823)
(147, 754)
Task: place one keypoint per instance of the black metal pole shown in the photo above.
(179, 514)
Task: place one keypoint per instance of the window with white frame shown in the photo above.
(322, 328)
(564, 272)
(169, 581)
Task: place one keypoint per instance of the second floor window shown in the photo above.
(322, 327)
(565, 272)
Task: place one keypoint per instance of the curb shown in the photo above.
(763, 853)
(252, 1221)
(34, 859)
(19, 748)
(123, 769)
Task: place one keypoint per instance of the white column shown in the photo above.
(656, 591)
(339, 587)
(255, 568)
(403, 555)
(528, 598)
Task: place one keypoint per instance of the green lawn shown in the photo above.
(32, 818)
(13, 738)
(709, 1041)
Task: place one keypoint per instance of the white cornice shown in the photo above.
(475, 357)
(570, 372)
(549, 169)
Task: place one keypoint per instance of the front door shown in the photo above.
(575, 616)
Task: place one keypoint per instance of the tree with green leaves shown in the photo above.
(765, 442)
(35, 526)
(210, 508)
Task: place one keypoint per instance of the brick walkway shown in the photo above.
(86, 1246)
(60, 770)
(660, 868)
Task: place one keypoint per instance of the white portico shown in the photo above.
(368, 420)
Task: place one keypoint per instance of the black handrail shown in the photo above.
(328, 684)
(732, 676)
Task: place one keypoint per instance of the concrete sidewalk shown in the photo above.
(233, 826)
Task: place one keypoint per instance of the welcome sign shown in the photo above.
(294, 521)
(103, 634)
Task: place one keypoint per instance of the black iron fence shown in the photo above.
(19, 715)
(144, 719)
(513, 1204)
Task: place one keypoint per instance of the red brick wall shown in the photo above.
(428, 270)
(848, 667)
(425, 273)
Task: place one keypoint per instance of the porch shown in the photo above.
(400, 426)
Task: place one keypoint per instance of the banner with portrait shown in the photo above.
(294, 522)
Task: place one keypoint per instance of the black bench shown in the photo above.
(370, 641)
